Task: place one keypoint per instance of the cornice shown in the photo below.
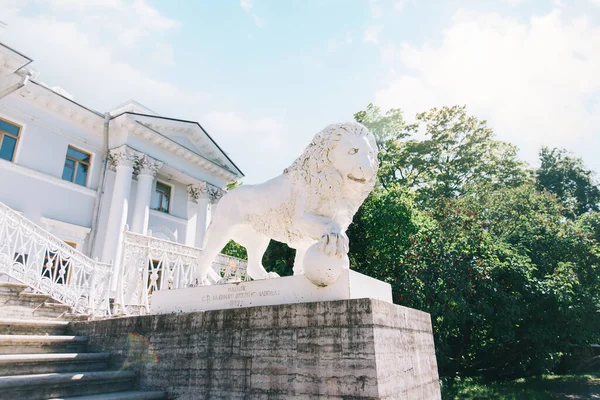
(48, 99)
(138, 129)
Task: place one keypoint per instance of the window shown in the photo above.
(9, 136)
(161, 197)
(77, 166)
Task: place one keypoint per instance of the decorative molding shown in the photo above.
(19, 169)
(205, 190)
(194, 193)
(123, 156)
(136, 128)
(147, 165)
(65, 230)
(47, 98)
(215, 193)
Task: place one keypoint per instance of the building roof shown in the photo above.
(189, 134)
(11, 60)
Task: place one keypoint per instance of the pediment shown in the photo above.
(190, 135)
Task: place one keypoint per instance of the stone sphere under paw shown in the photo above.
(321, 269)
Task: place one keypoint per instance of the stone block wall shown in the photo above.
(347, 349)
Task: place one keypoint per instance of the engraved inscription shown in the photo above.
(239, 295)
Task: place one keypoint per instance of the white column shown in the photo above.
(192, 215)
(208, 194)
(122, 159)
(146, 170)
(202, 219)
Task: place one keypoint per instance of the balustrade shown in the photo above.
(150, 264)
(32, 255)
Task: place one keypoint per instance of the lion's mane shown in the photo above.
(319, 177)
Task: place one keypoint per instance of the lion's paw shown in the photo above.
(334, 244)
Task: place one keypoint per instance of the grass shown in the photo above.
(544, 387)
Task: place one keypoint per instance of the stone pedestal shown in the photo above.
(346, 349)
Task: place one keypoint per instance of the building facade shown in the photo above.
(87, 177)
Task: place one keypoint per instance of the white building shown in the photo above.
(87, 176)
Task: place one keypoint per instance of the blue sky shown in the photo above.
(264, 76)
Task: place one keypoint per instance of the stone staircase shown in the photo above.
(40, 360)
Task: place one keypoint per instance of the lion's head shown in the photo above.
(340, 162)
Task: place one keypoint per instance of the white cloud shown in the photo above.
(375, 9)
(258, 21)
(595, 2)
(85, 66)
(372, 34)
(247, 4)
(163, 54)
(255, 145)
(536, 82)
(127, 22)
(515, 2)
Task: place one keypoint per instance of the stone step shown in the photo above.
(35, 297)
(75, 317)
(23, 364)
(44, 386)
(33, 309)
(15, 326)
(128, 395)
(9, 288)
(17, 304)
(33, 344)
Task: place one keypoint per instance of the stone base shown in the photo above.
(348, 349)
(266, 292)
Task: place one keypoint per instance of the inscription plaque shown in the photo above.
(265, 292)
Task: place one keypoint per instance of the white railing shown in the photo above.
(149, 264)
(39, 259)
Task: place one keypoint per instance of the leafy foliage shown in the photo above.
(461, 231)
(235, 250)
(456, 151)
(542, 387)
(381, 232)
(569, 180)
(510, 284)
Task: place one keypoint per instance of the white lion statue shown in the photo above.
(313, 201)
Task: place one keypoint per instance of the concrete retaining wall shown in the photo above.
(349, 349)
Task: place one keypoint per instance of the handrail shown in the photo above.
(32, 255)
(150, 264)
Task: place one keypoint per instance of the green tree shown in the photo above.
(233, 249)
(380, 234)
(568, 178)
(510, 284)
(443, 154)
(389, 130)
(459, 151)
